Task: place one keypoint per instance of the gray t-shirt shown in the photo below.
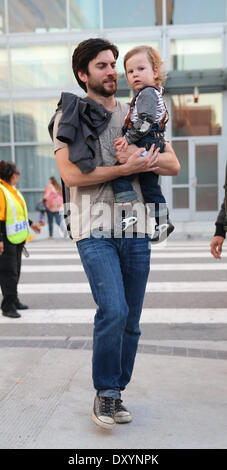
(93, 207)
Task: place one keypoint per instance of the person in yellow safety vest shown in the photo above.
(14, 230)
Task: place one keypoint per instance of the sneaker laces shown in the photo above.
(107, 405)
(118, 405)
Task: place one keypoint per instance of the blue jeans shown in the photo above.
(117, 270)
(50, 218)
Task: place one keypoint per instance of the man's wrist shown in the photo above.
(123, 170)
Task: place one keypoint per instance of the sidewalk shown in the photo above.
(177, 401)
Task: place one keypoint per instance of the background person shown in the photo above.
(14, 229)
(53, 201)
(221, 226)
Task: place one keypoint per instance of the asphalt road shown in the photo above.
(186, 294)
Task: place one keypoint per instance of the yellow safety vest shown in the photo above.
(17, 225)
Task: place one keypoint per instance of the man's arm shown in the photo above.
(166, 163)
(72, 176)
(220, 234)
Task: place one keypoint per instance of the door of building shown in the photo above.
(194, 192)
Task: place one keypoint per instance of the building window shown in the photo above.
(180, 183)
(36, 164)
(194, 119)
(2, 17)
(196, 54)
(84, 14)
(206, 163)
(39, 66)
(5, 153)
(3, 68)
(131, 13)
(4, 122)
(202, 11)
(31, 119)
(36, 15)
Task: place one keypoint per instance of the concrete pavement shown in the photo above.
(177, 397)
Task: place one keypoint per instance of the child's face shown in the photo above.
(139, 72)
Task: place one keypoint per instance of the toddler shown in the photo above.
(144, 126)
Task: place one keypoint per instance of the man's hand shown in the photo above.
(216, 246)
(138, 164)
(35, 227)
(1, 247)
(165, 164)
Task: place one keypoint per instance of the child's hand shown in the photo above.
(120, 144)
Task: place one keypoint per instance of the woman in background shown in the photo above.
(53, 201)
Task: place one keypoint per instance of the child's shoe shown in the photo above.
(162, 232)
(125, 219)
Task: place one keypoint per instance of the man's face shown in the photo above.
(102, 74)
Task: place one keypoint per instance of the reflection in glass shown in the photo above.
(3, 68)
(2, 17)
(196, 54)
(202, 118)
(84, 14)
(204, 11)
(206, 199)
(131, 13)
(180, 198)
(207, 177)
(32, 198)
(36, 15)
(31, 119)
(39, 66)
(181, 150)
(206, 164)
(36, 164)
(4, 122)
(5, 154)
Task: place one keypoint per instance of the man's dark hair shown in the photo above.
(86, 51)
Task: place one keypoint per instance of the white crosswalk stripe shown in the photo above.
(52, 260)
(52, 268)
(154, 255)
(84, 287)
(149, 315)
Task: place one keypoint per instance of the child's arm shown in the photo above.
(146, 107)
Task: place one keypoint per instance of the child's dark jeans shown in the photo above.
(150, 188)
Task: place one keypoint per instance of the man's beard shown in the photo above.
(99, 88)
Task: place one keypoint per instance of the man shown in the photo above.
(117, 268)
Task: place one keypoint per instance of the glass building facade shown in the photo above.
(37, 39)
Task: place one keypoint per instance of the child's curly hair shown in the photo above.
(153, 57)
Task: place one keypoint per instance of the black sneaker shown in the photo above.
(122, 415)
(103, 412)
